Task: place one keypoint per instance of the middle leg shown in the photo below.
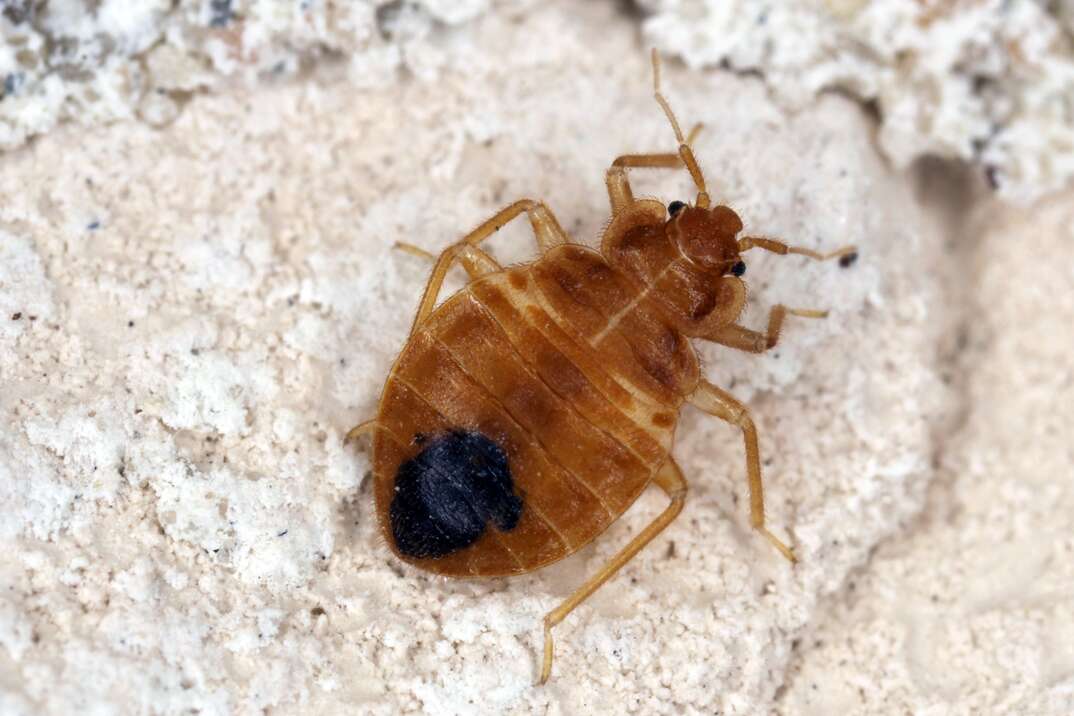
(747, 339)
(723, 405)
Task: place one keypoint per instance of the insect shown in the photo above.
(529, 410)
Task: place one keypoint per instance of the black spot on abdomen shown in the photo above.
(447, 494)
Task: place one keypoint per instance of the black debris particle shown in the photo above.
(848, 260)
(18, 11)
(12, 83)
(386, 17)
(992, 176)
(16, 316)
(220, 14)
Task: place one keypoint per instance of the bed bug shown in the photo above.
(529, 410)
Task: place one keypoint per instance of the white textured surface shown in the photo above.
(988, 81)
(206, 309)
(974, 613)
(93, 61)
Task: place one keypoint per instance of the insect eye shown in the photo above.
(739, 268)
(675, 207)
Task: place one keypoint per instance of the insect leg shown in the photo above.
(359, 430)
(619, 192)
(476, 262)
(723, 405)
(545, 227)
(671, 481)
(746, 339)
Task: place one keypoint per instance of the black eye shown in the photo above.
(739, 268)
(675, 207)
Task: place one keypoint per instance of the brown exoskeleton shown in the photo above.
(529, 410)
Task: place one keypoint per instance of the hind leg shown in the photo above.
(670, 480)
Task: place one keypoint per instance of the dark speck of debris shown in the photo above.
(94, 225)
(16, 316)
(130, 324)
(848, 260)
(317, 611)
(387, 15)
(281, 534)
(992, 175)
(12, 82)
(219, 13)
(18, 10)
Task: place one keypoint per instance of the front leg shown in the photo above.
(619, 192)
(745, 339)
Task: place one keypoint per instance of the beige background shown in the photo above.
(204, 309)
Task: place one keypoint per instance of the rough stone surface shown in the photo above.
(973, 613)
(986, 81)
(93, 61)
(193, 316)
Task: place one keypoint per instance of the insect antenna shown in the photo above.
(685, 151)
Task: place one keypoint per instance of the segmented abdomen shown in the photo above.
(557, 364)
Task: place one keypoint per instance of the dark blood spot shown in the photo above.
(739, 268)
(446, 495)
(849, 259)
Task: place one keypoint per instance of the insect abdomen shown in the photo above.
(483, 364)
